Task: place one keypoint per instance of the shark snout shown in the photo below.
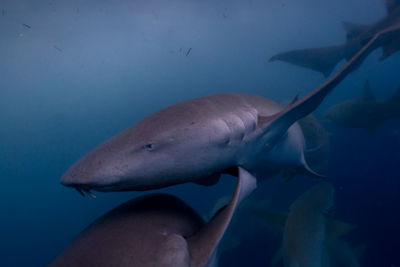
(82, 188)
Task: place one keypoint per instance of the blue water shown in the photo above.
(85, 70)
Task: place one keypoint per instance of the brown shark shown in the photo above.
(156, 230)
(324, 59)
(365, 112)
(202, 138)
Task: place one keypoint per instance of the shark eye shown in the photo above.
(149, 147)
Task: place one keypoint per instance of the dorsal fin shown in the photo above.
(203, 244)
(391, 5)
(367, 94)
(278, 126)
(353, 30)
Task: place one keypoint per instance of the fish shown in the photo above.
(305, 228)
(200, 139)
(310, 236)
(364, 112)
(153, 230)
(26, 25)
(324, 59)
(57, 48)
(188, 52)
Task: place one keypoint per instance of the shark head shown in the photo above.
(161, 150)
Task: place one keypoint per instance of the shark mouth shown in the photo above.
(82, 190)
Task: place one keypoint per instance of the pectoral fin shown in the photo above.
(322, 59)
(203, 244)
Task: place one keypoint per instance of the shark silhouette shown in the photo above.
(157, 230)
(364, 112)
(202, 138)
(324, 59)
(310, 237)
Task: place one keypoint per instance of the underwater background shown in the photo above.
(74, 73)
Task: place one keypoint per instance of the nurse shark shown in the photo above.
(200, 139)
(156, 230)
(310, 237)
(324, 59)
(365, 112)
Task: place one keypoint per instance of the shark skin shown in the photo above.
(324, 59)
(202, 138)
(156, 230)
(365, 112)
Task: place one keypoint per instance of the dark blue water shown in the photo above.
(79, 72)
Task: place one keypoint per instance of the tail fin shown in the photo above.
(322, 59)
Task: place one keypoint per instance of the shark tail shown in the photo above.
(322, 59)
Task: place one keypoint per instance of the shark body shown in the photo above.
(324, 59)
(310, 237)
(200, 139)
(156, 230)
(365, 112)
(305, 228)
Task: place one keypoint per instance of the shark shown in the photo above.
(153, 230)
(305, 228)
(365, 111)
(200, 139)
(310, 236)
(324, 59)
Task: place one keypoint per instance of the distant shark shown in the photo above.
(310, 237)
(154, 230)
(324, 59)
(202, 138)
(364, 112)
